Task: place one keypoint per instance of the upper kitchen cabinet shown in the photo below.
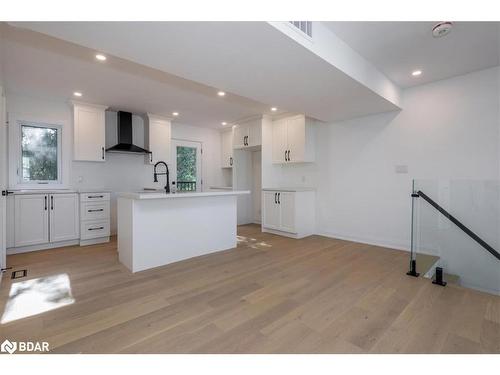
(89, 132)
(158, 134)
(293, 140)
(227, 149)
(247, 134)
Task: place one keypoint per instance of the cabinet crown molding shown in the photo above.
(85, 104)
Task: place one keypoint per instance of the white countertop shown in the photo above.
(294, 189)
(58, 191)
(42, 191)
(221, 187)
(159, 195)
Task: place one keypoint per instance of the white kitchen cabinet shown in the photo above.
(227, 149)
(293, 140)
(248, 134)
(94, 217)
(289, 213)
(31, 219)
(89, 132)
(158, 135)
(64, 217)
(271, 212)
(45, 218)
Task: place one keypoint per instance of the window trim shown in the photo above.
(39, 183)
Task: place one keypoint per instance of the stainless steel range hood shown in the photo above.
(125, 141)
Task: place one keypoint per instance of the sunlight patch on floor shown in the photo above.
(32, 297)
(252, 242)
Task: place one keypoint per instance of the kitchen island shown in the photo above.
(155, 228)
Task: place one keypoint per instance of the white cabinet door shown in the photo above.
(64, 217)
(279, 140)
(255, 133)
(296, 139)
(240, 135)
(227, 149)
(89, 132)
(287, 207)
(271, 217)
(31, 219)
(159, 139)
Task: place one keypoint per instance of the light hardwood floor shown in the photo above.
(270, 295)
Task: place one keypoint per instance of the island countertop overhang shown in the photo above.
(159, 195)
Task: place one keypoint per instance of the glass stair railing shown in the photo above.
(455, 233)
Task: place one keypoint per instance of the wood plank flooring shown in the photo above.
(269, 295)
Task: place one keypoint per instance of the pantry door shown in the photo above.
(186, 165)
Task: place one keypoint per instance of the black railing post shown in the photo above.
(438, 280)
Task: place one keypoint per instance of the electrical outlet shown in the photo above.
(401, 169)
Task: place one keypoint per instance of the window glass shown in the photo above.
(39, 153)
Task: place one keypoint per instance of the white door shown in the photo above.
(296, 135)
(159, 140)
(279, 141)
(64, 218)
(186, 165)
(240, 134)
(287, 206)
(227, 149)
(271, 215)
(31, 219)
(89, 133)
(3, 181)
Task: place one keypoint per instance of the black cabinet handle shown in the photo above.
(98, 228)
(231, 161)
(45, 198)
(151, 157)
(52, 202)
(96, 210)
(285, 155)
(275, 198)
(288, 155)
(102, 149)
(95, 196)
(279, 202)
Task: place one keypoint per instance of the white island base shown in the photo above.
(155, 229)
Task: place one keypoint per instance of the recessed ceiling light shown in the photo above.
(224, 123)
(416, 73)
(274, 109)
(76, 93)
(100, 57)
(221, 93)
(175, 113)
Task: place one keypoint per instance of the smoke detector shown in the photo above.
(441, 29)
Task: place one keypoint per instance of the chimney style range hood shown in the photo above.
(125, 141)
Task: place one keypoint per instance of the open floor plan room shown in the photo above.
(269, 295)
(292, 187)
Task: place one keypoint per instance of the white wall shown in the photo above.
(120, 172)
(447, 130)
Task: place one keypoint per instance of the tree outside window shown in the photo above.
(39, 150)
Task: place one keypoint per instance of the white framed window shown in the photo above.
(40, 159)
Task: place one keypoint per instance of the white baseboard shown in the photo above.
(94, 241)
(367, 241)
(27, 249)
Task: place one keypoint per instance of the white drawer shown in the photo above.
(94, 210)
(94, 197)
(94, 229)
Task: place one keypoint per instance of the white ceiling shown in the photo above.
(398, 48)
(47, 67)
(251, 59)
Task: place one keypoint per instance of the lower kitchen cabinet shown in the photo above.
(45, 218)
(31, 220)
(64, 218)
(289, 213)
